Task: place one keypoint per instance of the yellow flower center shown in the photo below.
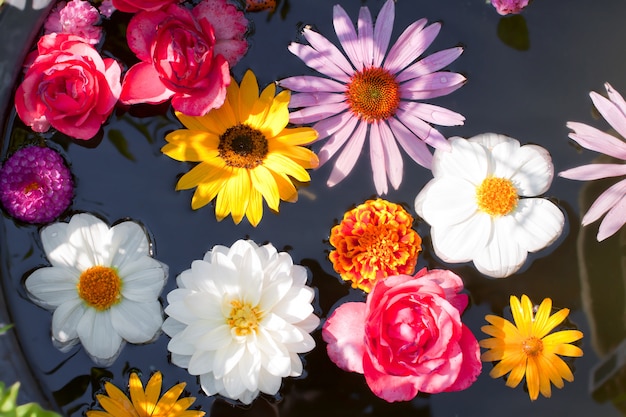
(244, 318)
(496, 196)
(31, 187)
(100, 287)
(243, 147)
(532, 346)
(373, 94)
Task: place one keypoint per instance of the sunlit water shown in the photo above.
(528, 92)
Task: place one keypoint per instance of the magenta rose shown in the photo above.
(407, 337)
(185, 55)
(505, 7)
(68, 86)
(134, 6)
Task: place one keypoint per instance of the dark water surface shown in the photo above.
(527, 88)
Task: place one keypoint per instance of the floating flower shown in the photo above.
(103, 285)
(144, 403)
(365, 97)
(259, 5)
(35, 185)
(373, 241)
(134, 6)
(185, 54)
(246, 152)
(68, 86)
(76, 17)
(505, 7)
(527, 347)
(239, 319)
(407, 337)
(613, 200)
(106, 8)
(474, 203)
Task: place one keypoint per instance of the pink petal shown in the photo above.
(377, 159)
(611, 113)
(348, 157)
(410, 45)
(343, 131)
(198, 103)
(388, 387)
(315, 99)
(421, 129)
(431, 63)
(316, 113)
(596, 140)
(594, 171)
(344, 332)
(412, 145)
(347, 35)
(432, 85)
(332, 53)
(366, 31)
(605, 202)
(319, 61)
(451, 283)
(435, 114)
(141, 32)
(142, 84)
(231, 49)
(382, 31)
(393, 159)
(471, 365)
(614, 220)
(312, 84)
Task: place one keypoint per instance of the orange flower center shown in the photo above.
(532, 346)
(373, 94)
(244, 319)
(100, 287)
(496, 196)
(243, 147)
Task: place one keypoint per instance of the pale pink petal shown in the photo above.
(348, 157)
(328, 49)
(316, 113)
(231, 49)
(616, 98)
(312, 84)
(595, 140)
(346, 33)
(611, 113)
(421, 129)
(410, 45)
(344, 332)
(329, 126)
(412, 145)
(393, 159)
(594, 171)
(432, 85)
(435, 114)
(382, 31)
(614, 220)
(337, 139)
(605, 202)
(315, 99)
(142, 84)
(377, 159)
(429, 64)
(366, 32)
(319, 61)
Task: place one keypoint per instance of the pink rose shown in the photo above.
(68, 86)
(76, 17)
(505, 7)
(407, 337)
(134, 6)
(185, 55)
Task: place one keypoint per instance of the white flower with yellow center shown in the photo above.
(103, 285)
(239, 319)
(476, 208)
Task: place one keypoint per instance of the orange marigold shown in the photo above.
(373, 241)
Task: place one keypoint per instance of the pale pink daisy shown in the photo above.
(374, 92)
(613, 200)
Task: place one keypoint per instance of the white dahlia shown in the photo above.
(239, 319)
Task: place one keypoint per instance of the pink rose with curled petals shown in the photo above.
(134, 6)
(68, 86)
(186, 55)
(505, 7)
(407, 337)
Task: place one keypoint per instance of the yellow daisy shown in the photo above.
(527, 349)
(144, 403)
(245, 152)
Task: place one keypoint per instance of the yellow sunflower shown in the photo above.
(144, 403)
(527, 348)
(245, 152)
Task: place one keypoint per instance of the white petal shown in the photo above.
(128, 242)
(50, 287)
(56, 245)
(65, 319)
(461, 242)
(268, 383)
(137, 322)
(227, 358)
(539, 222)
(216, 338)
(249, 368)
(503, 255)
(534, 172)
(466, 160)
(447, 201)
(201, 362)
(92, 238)
(210, 385)
(177, 308)
(172, 327)
(102, 343)
(296, 306)
(145, 281)
(178, 344)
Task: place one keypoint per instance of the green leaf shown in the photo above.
(9, 407)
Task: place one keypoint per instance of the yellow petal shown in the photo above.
(222, 206)
(277, 117)
(263, 181)
(532, 379)
(286, 189)
(138, 396)
(554, 320)
(118, 409)
(542, 318)
(153, 391)
(302, 156)
(297, 136)
(204, 172)
(232, 95)
(97, 413)
(255, 208)
(237, 190)
(281, 164)
(562, 337)
(191, 145)
(205, 192)
(248, 94)
(522, 314)
(194, 123)
(167, 404)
